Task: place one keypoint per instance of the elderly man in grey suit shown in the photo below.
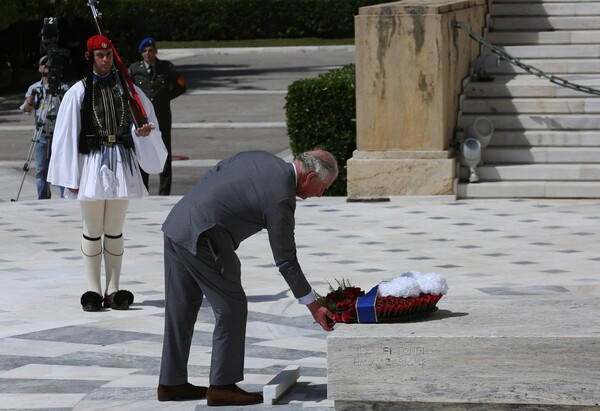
(239, 197)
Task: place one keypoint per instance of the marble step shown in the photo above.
(537, 172)
(546, 9)
(544, 23)
(545, 138)
(543, 1)
(528, 85)
(555, 67)
(543, 37)
(543, 51)
(529, 189)
(562, 122)
(531, 105)
(493, 155)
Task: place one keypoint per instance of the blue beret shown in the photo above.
(148, 41)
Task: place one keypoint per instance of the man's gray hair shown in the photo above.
(320, 161)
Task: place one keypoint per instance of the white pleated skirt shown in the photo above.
(111, 173)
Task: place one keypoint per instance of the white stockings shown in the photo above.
(103, 217)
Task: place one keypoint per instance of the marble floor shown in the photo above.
(54, 356)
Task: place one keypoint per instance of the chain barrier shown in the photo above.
(530, 69)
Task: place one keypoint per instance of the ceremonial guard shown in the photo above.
(161, 83)
(96, 154)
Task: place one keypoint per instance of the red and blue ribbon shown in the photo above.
(365, 307)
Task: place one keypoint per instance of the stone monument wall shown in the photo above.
(410, 65)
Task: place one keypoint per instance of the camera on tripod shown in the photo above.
(56, 56)
(47, 95)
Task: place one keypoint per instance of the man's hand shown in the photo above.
(29, 102)
(145, 130)
(322, 315)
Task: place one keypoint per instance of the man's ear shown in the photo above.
(311, 177)
(87, 55)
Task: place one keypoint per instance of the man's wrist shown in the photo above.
(308, 298)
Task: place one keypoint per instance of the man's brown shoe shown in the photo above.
(181, 392)
(231, 395)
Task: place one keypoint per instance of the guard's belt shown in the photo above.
(112, 139)
(94, 142)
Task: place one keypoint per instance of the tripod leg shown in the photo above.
(34, 140)
(46, 165)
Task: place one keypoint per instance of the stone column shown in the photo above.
(410, 64)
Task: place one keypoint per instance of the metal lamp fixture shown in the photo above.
(471, 157)
(481, 129)
(481, 64)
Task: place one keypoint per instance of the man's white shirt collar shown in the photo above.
(295, 173)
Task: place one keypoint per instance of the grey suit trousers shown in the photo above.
(214, 272)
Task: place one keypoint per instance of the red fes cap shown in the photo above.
(98, 42)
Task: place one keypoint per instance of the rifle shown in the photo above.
(134, 103)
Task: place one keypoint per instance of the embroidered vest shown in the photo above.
(111, 121)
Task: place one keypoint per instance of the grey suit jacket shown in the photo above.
(244, 194)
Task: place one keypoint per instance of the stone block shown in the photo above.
(404, 102)
(371, 176)
(495, 352)
(279, 385)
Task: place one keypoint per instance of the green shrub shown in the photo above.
(321, 112)
(129, 21)
(189, 20)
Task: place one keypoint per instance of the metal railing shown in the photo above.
(517, 62)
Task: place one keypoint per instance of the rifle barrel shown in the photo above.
(138, 114)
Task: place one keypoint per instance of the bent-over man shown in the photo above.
(239, 197)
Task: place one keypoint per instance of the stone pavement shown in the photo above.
(54, 356)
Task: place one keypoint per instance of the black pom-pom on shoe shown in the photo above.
(91, 301)
(120, 300)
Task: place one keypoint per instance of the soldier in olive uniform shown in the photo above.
(160, 81)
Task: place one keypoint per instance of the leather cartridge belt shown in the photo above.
(95, 141)
(112, 139)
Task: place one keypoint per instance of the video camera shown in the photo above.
(57, 57)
